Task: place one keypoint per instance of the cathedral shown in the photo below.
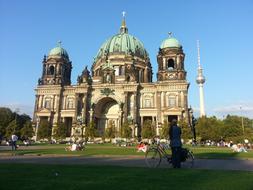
(117, 89)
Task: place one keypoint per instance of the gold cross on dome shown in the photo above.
(123, 13)
(59, 43)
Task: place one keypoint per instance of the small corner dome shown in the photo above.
(170, 42)
(58, 51)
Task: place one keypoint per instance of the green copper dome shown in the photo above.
(170, 43)
(122, 43)
(58, 51)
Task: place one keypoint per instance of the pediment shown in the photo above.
(44, 110)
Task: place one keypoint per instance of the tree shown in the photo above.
(90, 131)
(44, 130)
(126, 131)
(148, 130)
(60, 131)
(11, 128)
(164, 132)
(209, 128)
(110, 131)
(6, 116)
(185, 129)
(235, 131)
(27, 131)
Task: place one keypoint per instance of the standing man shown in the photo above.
(175, 143)
(14, 139)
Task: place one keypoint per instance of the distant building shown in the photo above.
(119, 88)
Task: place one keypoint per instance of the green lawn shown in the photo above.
(108, 149)
(31, 176)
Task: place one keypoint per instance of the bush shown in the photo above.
(148, 130)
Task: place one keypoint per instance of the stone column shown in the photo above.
(36, 107)
(177, 101)
(186, 108)
(135, 109)
(91, 114)
(162, 99)
(42, 100)
(64, 102)
(84, 108)
(146, 75)
(182, 99)
(158, 106)
(76, 106)
(178, 62)
(141, 101)
(52, 103)
(164, 63)
(125, 109)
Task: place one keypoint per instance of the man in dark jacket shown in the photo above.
(175, 143)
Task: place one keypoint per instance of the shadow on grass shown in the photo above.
(28, 176)
(217, 155)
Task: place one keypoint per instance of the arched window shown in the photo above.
(171, 64)
(70, 103)
(51, 70)
(172, 101)
(47, 103)
(147, 103)
(116, 69)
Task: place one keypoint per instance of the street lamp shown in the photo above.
(37, 126)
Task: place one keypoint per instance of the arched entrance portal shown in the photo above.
(107, 112)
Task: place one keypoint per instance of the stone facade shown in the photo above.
(119, 88)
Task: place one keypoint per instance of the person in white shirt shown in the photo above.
(14, 139)
(74, 147)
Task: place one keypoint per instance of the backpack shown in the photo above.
(184, 154)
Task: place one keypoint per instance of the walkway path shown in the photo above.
(134, 161)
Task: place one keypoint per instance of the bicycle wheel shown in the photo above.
(189, 162)
(153, 158)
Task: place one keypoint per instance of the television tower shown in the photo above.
(200, 81)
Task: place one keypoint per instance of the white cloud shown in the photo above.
(21, 108)
(241, 108)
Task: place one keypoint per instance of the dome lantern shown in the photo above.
(123, 28)
(58, 51)
(170, 42)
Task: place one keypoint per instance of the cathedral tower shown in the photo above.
(170, 60)
(56, 67)
(172, 76)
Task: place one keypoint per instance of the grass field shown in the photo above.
(108, 149)
(30, 176)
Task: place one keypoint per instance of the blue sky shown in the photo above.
(29, 29)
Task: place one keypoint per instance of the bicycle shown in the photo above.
(157, 151)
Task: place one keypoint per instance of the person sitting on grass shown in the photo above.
(72, 147)
(142, 147)
(238, 148)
